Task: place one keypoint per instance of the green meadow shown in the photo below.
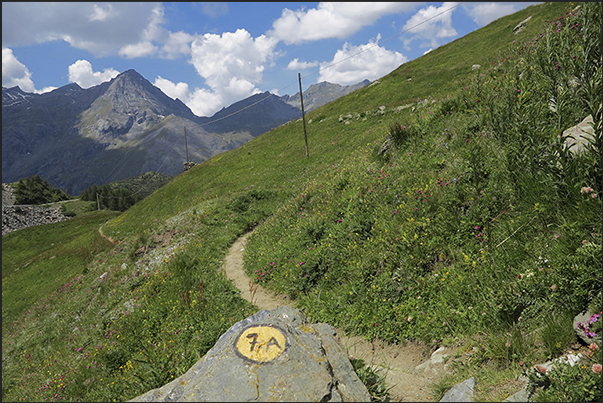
(438, 204)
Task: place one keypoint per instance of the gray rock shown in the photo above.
(583, 317)
(461, 392)
(8, 195)
(273, 355)
(435, 363)
(521, 396)
(16, 217)
(519, 27)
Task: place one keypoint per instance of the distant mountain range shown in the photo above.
(321, 94)
(75, 138)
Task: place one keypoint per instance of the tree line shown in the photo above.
(111, 198)
(35, 190)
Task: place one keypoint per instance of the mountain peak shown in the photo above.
(131, 73)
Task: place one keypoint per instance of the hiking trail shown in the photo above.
(397, 362)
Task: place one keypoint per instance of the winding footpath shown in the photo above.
(396, 362)
(100, 231)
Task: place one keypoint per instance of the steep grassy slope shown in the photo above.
(442, 208)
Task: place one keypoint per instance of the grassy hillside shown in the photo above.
(443, 208)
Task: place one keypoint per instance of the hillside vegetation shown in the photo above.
(438, 204)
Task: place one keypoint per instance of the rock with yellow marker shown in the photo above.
(270, 356)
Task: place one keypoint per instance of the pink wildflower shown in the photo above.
(586, 189)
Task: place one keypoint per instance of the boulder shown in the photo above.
(581, 318)
(273, 355)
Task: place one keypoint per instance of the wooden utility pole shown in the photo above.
(301, 98)
(186, 146)
(97, 202)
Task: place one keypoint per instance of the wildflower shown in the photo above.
(596, 368)
(554, 287)
(586, 190)
(593, 346)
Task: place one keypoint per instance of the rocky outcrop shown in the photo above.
(8, 195)
(23, 216)
(519, 27)
(273, 355)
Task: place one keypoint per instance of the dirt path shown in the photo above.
(397, 362)
(100, 231)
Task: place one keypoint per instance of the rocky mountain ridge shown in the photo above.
(321, 94)
(76, 137)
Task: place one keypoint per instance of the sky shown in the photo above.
(211, 55)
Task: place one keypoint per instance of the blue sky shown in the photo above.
(210, 55)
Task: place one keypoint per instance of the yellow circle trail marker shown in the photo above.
(261, 343)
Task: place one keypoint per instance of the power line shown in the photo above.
(384, 40)
(326, 67)
(338, 62)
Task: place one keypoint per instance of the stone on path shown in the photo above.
(461, 392)
(273, 355)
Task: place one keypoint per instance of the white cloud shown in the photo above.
(130, 29)
(15, 73)
(45, 89)
(430, 24)
(140, 49)
(101, 13)
(331, 20)
(81, 73)
(231, 64)
(295, 64)
(177, 43)
(176, 91)
(485, 13)
(427, 51)
(374, 62)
